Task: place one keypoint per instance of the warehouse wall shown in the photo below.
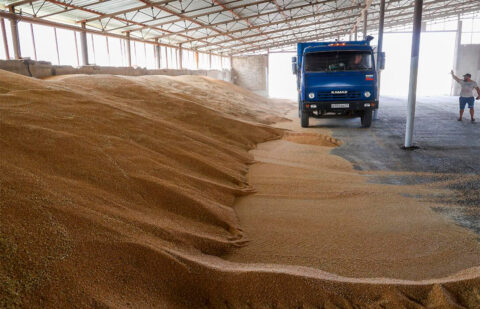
(41, 69)
(251, 72)
(468, 62)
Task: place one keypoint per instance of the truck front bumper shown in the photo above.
(339, 106)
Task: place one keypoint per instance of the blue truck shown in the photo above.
(337, 79)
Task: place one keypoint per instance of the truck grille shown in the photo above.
(335, 96)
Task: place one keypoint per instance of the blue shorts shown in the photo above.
(464, 101)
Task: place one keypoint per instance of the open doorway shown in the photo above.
(436, 61)
(281, 81)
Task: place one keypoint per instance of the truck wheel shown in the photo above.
(366, 118)
(305, 119)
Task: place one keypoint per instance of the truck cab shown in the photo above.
(336, 79)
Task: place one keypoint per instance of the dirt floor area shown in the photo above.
(178, 192)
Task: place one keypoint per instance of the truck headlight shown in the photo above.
(311, 95)
(367, 94)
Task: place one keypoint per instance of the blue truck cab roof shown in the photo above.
(311, 47)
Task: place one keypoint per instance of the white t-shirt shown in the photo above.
(467, 88)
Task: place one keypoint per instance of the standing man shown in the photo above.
(466, 94)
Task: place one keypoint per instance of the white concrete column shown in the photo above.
(15, 37)
(4, 35)
(456, 55)
(412, 89)
(129, 50)
(158, 55)
(379, 51)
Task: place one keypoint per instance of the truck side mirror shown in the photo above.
(381, 61)
(294, 65)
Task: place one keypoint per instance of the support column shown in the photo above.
(166, 57)
(108, 50)
(197, 64)
(33, 42)
(456, 54)
(365, 20)
(412, 89)
(129, 50)
(76, 47)
(381, 27)
(83, 45)
(267, 72)
(210, 60)
(15, 37)
(158, 55)
(56, 45)
(180, 57)
(5, 41)
(356, 34)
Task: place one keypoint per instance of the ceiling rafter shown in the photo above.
(183, 17)
(162, 2)
(229, 26)
(389, 11)
(124, 20)
(276, 23)
(392, 23)
(262, 13)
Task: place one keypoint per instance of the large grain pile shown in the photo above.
(118, 192)
(100, 172)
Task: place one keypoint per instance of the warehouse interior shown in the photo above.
(153, 155)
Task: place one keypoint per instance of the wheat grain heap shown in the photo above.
(118, 192)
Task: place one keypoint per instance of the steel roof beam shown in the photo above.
(44, 22)
(337, 19)
(446, 12)
(272, 23)
(74, 7)
(19, 3)
(217, 2)
(182, 17)
(194, 16)
(110, 15)
(264, 14)
(286, 29)
(163, 2)
(283, 35)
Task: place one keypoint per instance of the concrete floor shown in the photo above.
(447, 147)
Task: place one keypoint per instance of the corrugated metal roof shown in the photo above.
(232, 26)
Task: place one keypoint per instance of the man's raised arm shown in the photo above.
(456, 78)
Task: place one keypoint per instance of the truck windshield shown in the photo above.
(338, 61)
